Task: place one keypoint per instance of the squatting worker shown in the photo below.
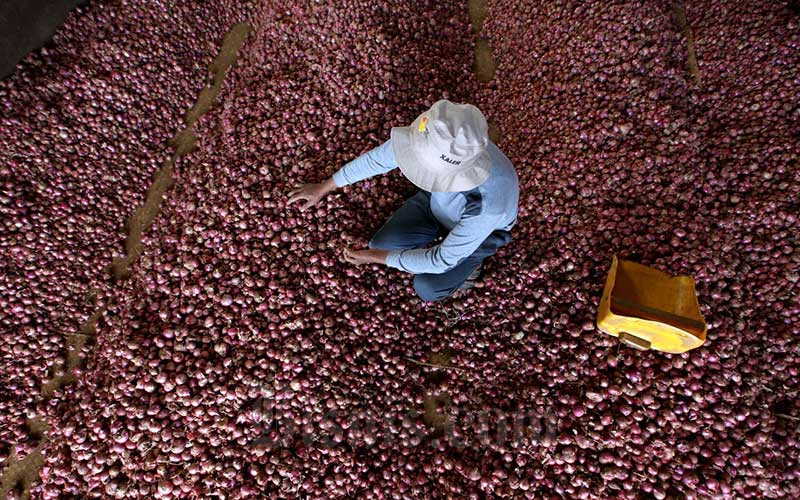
(469, 193)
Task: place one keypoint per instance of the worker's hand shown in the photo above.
(311, 193)
(360, 257)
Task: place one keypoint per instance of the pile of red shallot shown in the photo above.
(243, 358)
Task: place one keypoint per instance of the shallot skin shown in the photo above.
(243, 358)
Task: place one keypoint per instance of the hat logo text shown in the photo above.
(448, 160)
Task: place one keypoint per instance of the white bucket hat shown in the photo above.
(444, 149)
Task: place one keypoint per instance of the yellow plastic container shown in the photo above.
(648, 309)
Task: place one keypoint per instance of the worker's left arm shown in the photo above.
(377, 161)
(374, 162)
(459, 244)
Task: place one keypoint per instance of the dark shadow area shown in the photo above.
(26, 25)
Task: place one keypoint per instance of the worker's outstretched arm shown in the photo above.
(377, 161)
(374, 162)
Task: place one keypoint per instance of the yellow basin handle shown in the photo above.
(634, 341)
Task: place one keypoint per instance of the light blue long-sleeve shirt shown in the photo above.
(469, 216)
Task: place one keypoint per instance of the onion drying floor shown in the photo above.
(182, 311)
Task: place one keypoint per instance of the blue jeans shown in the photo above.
(414, 226)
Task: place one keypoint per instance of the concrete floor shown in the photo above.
(26, 25)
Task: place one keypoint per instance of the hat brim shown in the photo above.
(406, 153)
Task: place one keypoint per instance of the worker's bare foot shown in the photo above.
(472, 279)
